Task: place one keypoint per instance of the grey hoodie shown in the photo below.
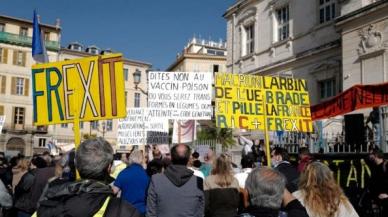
(176, 193)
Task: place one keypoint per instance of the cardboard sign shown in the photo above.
(92, 87)
(243, 101)
(132, 130)
(2, 120)
(180, 95)
(154, 137)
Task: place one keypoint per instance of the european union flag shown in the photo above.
(39, 53)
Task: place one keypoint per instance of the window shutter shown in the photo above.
(5, 55)
(15, 57)
(1, 110)
(13, 86)
(13, 116)
(24, 58)
(26, 86)
(3, 84)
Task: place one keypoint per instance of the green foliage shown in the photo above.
(222, 135)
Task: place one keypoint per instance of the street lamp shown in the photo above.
(137, 80)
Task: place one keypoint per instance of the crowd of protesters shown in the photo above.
(177, 184)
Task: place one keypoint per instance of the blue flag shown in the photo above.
(39, 53)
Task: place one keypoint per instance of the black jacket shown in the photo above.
(291, 174)
(23, 193)
(221, 201)
(293, 209)
(81, 199)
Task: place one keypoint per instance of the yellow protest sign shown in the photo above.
(86, 89)
(247, 101)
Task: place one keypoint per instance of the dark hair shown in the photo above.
(14, 161)
(180, 154)
(378, 153)
(153, 167)
(197, 164)
(282, 152)
(93, 158)
(304, 151)
(195, 155)
(39, 162)
(166, 162)
(248, 161)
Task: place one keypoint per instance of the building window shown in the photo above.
(19, 86)
(137, 100)
(77, 47)
(327, 10)
(1, 110)
(23, 31)
(64, 125)
(216, 68)
(327, 88)
(42, 142)
(47, 36)
(211, 52)
(126, 74)
(81, 124)
(19, 58)
(109, 125)
(250, 39)
(283, 25)
(2, 27)
(94, 125)
(18, 115)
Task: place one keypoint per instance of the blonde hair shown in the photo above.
(24, 164)
(222, 171)
(321, 193)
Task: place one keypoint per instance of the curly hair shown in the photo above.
(320, 191)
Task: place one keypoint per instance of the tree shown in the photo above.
(223, 136)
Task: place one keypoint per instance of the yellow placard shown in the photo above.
(244, 101)
(91, 88)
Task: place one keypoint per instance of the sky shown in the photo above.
(152, 31)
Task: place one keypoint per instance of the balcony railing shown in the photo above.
(25, 128)
(7, 37)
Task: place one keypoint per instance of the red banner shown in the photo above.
(356, 97)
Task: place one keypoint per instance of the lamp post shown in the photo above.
(137, 80)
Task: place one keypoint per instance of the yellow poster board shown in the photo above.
(251, 102)
(86, 89)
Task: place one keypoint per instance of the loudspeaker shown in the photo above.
(354, 129)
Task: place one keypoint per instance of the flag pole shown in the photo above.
(76, 128)
(266, 136)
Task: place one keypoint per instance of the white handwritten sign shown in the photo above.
(180, 95)
(132, 130)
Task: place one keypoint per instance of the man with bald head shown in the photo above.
(176, 192)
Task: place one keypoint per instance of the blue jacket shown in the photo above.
(133, 182)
